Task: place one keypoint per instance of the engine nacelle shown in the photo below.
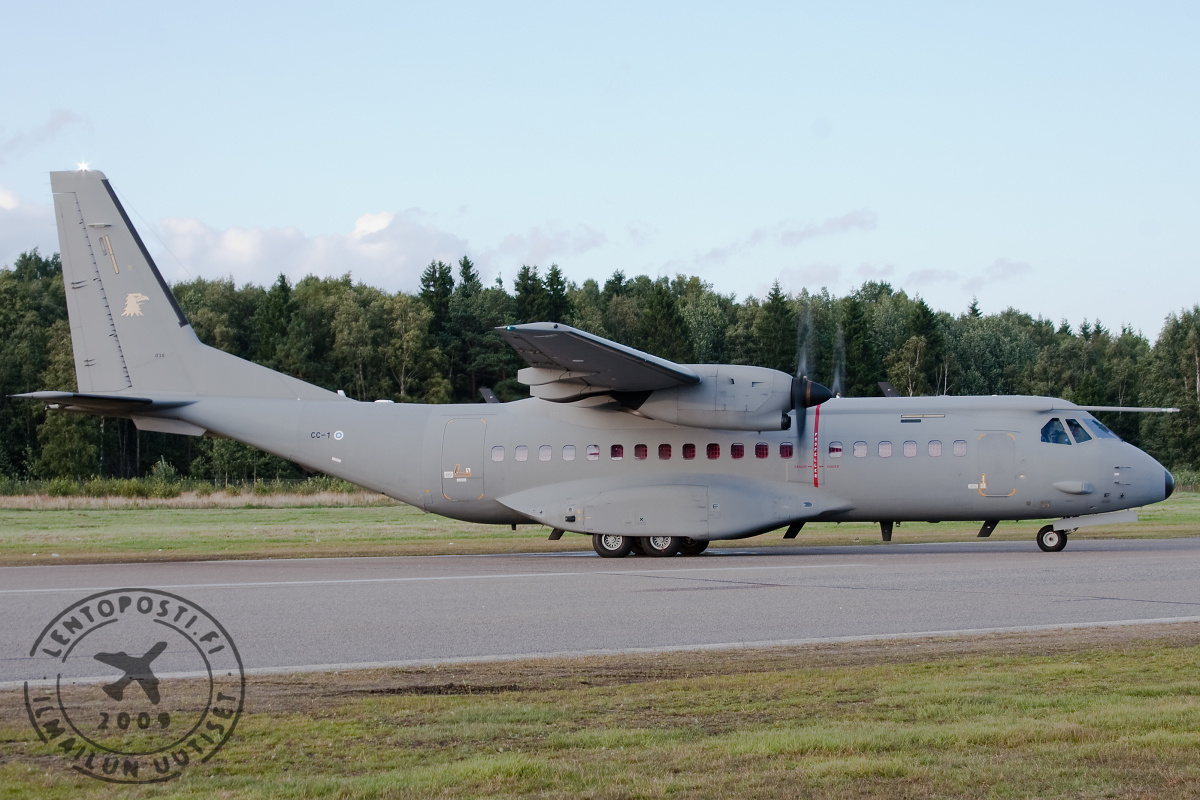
(729, 397)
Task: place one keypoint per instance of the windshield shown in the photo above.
(1053, 432)
(1100, 429)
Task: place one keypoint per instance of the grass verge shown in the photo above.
(86, 530)
(1089, 713)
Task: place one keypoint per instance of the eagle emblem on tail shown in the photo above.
(133, 304)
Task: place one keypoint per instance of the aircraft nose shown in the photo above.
(1170, 484)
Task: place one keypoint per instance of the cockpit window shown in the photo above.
(1100, 429)
(1078, 432)
(1053, 432)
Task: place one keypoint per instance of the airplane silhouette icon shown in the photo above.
(136, 669)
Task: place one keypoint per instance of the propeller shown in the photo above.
(806, 393)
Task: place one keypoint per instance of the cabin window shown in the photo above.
(498, 453)
(737, 450)
(545, 453)
(860, 449)
(1078, 432)
(785, 449)
(568, 452)
(640, 451)
(960, 448)
(885, 449)
(593, 452)
(713, 451)
(910, 449)
(689, 451)
(935, 449)
(1053, 432)
(664, 452)
(616, 452)
(1100, 429)
(835, 449)
(521, 453)
(762, 450)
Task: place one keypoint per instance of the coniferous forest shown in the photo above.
(439, 346)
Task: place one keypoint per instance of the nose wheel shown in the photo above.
(1050, 540)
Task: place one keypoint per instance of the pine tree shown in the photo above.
(775, 330)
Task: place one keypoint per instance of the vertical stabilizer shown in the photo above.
(128, 333)
(123, 317)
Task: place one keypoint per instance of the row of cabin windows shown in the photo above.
(934, 448)
(641, 452)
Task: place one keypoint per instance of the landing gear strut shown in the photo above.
(1050, 540)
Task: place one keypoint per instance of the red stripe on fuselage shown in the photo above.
(816, 433)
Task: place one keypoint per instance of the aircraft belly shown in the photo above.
(645, 510)
(697, 506)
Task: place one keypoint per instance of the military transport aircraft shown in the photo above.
(634, 450)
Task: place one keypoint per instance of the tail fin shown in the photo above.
(128, 332)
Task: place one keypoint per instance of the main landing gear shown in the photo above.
(1050, 540)
(617, 546)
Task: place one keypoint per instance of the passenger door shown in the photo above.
(997, 464)
(463, 458)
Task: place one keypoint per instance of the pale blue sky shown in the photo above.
(1037, 155)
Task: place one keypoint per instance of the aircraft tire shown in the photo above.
(1050, 540)
(692, 547)
(661, 546)
(637, 545)
(611, 545)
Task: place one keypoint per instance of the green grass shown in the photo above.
(71, 534)
(1043, 718)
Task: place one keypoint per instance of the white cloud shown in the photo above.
(1002, 269)
(871, 273)
(387, 250)
(372, 223)
(928, 276)
(59, 119)
(861, 220)
(783, 234)
(544, 244)
(24, 226)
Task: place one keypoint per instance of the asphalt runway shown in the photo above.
(294, 615)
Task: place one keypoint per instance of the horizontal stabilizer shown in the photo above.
(108, 405)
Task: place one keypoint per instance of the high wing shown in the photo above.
(567, 364)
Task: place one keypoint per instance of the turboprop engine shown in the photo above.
(733, 397)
